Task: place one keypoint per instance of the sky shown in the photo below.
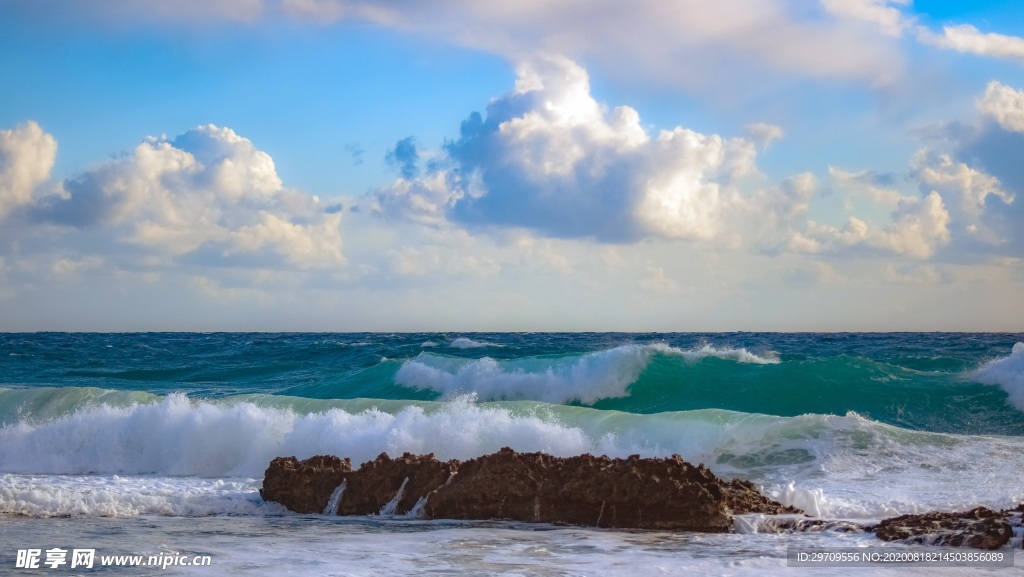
(557, 165)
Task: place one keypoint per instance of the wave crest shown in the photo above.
(586, 378)
(464, 343)
(1008, 373)
(177, 437)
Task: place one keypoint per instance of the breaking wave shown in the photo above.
(1008, 373)
(586, 377)
(835, 465)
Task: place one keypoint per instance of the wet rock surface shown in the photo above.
(980, 528)
(534, 487)
(393, 486)
(304, 486)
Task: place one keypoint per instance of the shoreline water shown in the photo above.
(107, 436)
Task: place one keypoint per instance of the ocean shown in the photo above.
(155, 444)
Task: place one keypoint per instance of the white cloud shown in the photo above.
(764, 134)
(917, 229)
(425, 200)
(208, 190)
(880, 13)
(551, 158)
(869, 184)
(683, 194)
(642, 38)
(765, 218)
(1005, 105)
(967, 38)
(27, 155)
(970, 187)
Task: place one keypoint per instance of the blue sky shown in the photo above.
(568, 165)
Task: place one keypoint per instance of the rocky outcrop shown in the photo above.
(596, 491)
(304, 486)
(393, 486)
(534, 487)
(980, 528)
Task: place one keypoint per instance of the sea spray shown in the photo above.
(1008, 373)
(853, 466)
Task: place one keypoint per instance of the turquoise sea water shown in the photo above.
(114, 430)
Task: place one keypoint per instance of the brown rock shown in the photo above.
(596, 491)
(373, 487)
(534, 487)
(304, 486)
(980, 528)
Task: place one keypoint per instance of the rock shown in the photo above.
(396, 484)
(980, 528)
(304, 486)
(533, 487)
(596, 491)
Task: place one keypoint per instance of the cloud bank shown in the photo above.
(551, 159)
(209, 192)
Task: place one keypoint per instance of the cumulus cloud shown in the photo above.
(549, 157)
(27, 155)
(1005, 105)
(968, 189)
(918, 227)
(978, 169)
(207, 190)
(966, 38)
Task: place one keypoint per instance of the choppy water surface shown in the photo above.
(138, 441)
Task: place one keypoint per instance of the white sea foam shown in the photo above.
(121, 496)
(1008, 373)
(180, 437)
(464, 343)
(586, 378)
(740, 355)
(304, 547)
(832, 466)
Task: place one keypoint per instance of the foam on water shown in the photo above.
(123, 496)
(586, 377)
(319, 547)
(832, 466)
(1008, 373)
(464, 343)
